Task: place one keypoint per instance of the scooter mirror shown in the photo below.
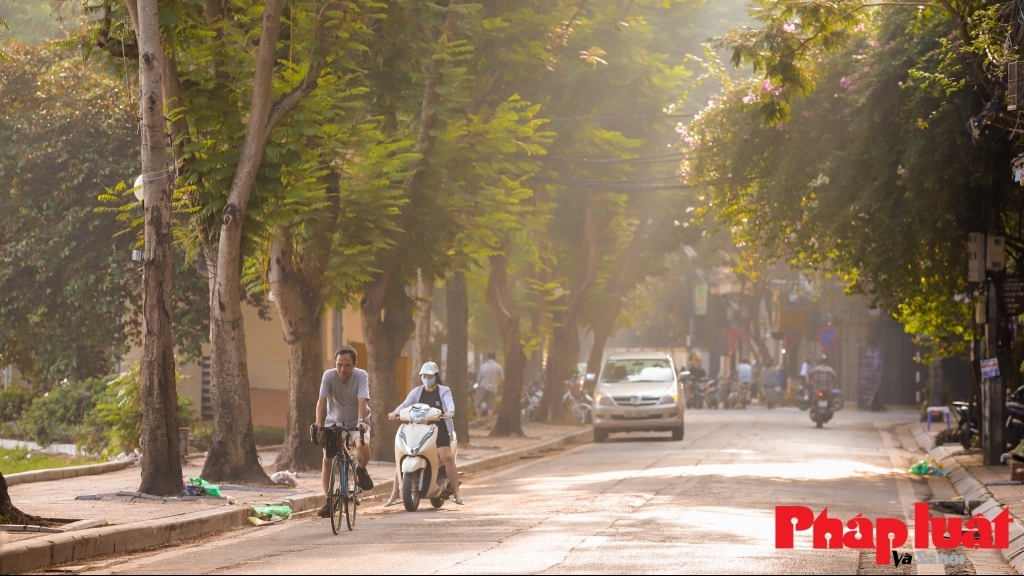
(591, 377)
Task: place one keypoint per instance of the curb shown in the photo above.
(971, 489)
(46, 551)
(69, 472)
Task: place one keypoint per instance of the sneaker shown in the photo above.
(365, 482)
(324, 512)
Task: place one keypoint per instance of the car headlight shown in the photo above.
(602, 400)
(667, 399)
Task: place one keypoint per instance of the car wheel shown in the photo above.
(677, 433)
(600, 435)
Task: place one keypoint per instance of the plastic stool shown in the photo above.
(937, 410)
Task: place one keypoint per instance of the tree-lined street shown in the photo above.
(637, 504)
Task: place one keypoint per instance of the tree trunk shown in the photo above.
(563, 353)
(11, 515)
(602, 332)
(421, 340)
(232, 455)
(299, 309)
(161, 463)
(564, 349)
(386, 317)
(457, 298)
(499, 300)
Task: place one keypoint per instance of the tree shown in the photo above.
(161, 468)
(607, 165)
(67, 317)
(831, 207)
(214, 85)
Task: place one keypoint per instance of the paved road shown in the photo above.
(636, 504)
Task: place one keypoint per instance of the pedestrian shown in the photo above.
(491, 377)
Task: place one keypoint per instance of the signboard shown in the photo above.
(869, 376)
(828, 336)
(1013, 295)
(990, 368)
(700, 300)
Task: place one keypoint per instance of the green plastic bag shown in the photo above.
(208, 489)
(920, 468)
(271, 511)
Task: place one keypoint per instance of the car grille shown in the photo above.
(639, 400)
(644, 417)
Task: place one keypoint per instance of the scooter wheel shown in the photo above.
(819, 424)
(437, 502)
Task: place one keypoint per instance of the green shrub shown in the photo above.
(13, 401)
(117, 423)
(268, 435)
(58, 415)
(201, 435)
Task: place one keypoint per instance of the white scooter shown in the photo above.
(420, 469)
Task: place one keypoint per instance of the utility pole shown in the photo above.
(993, 397)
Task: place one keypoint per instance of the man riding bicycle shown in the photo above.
(344, 403)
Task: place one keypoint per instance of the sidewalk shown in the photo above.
(134, 523)
(989, 487)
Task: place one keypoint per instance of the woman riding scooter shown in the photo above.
(436, 395)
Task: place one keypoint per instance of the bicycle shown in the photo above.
(343, 491)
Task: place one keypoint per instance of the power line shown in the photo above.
(657, 159)
(602, 118)
(614, 185)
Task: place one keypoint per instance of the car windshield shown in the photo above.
(637, 370)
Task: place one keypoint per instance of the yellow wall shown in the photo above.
(268, 362)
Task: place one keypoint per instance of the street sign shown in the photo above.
(1013, 295)
(990, 368)
(828, 336)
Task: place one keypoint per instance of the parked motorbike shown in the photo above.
(821, 408)
(709, 386)
(419, 467)
(531, 400)
(576, 400)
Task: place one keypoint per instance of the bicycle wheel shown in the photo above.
(334, 499)
(352, 492)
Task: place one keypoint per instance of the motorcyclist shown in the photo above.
(435, 395)
(821, 376)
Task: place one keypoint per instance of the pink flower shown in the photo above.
(873, 43)
(766, 86)
(789, 27)
(749, 98)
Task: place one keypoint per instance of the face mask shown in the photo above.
(428, 381)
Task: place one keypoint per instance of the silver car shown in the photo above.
(638, 391)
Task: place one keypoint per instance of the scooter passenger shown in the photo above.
(433, 393)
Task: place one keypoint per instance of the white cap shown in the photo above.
(429, 368)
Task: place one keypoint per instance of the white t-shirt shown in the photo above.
(343, 397)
